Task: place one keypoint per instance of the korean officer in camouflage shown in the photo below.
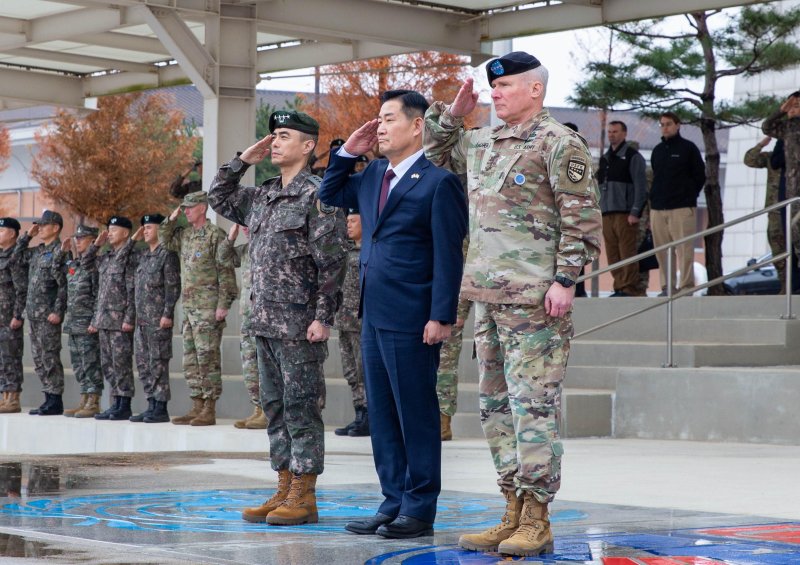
(84, 348)
(45, 306)
(13, 293)
(534, 222)
(208, 287)
(298, 262)
(115, 314)
(348, 324)
(158, 287)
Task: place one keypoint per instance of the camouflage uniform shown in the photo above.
(47, 294)
(208, 282)
(447, 376)
(780, 126)
(349, 327)
(758, 159)
(298, 262)
(84, 348)
(534, 214)
(13, 294)
(115, 306)
(247, 345)
(158, 286)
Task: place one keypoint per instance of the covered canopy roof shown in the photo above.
(61, 51)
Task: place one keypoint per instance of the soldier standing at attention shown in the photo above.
(348, 325)
(158, 286)
(534, 222)
(298, 262)
(208, 286)
(247, 344)
(115, 314)
(785, 125)
(84, 347)
(13, 293)
(45, 307)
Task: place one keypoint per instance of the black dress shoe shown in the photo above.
(368, 526)
(404, 527)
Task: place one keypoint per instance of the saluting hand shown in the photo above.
(233, 233)
(34, 231)
(258, 152)
(363, 139)
(66, 245)
(465, 101)
(138, 235)
(175, 213)
(102, 237)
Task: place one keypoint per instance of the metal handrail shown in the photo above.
(670, 298)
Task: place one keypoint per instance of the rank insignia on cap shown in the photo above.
(576, 169)
(281, 118)
(497, 68)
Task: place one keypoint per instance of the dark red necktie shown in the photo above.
(387, 179)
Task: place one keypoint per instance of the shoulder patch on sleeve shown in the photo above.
(576, 169)
(325, 208)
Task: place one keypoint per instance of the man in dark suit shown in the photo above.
(414, 219)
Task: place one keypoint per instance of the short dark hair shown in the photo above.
(571, 126)
(413, 103)
(671, 116)
(619, 123)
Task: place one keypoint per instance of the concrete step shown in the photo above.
(591, 377)
(741, 404)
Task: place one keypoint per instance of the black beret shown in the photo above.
(352, 212)
(293, 120)
(362, 159)
(152, 219)
(10, 223)
(338, 142)
(120, 221)
(512, 64)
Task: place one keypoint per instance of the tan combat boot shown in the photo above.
(300, 507)
(208, 414)
(533, 535)
(447, 432)
(242, 424)
(3, 401)
(72, 411)
(11, 404)
(197, 406)
(259, 513)
(488, 540)
(258, 421)
(90, 407)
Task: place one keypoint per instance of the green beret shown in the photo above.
(195, 198)
(293, 120)
(512, 64)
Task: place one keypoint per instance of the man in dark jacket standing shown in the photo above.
(678, 177)
(623, 195)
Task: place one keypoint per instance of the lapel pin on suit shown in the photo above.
(415, 176)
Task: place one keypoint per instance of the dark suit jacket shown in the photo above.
(411, 256)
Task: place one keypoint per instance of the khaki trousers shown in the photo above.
(620, 239)
(668, 226)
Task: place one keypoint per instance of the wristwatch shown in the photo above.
(564, 281)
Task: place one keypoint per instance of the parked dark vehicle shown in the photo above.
(763, 280)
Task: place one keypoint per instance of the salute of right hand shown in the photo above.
(101, 239)
(363, 139)
(465, 101)
(258, 152)
(175, 213)
(34, 231)
(138, 234)
(233, 233)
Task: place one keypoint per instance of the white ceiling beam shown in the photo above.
(41, 88)
(119, 82)
(124, 41)
(78, 59)
(314, 54)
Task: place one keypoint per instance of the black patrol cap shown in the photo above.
(120, 222)
(50, 217)
(10, 223)
(293, 120)
(152, 219)
(514, 63)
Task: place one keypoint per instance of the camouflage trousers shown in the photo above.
(116, 360)
(353, 366)
(249, 355)
(777, 244)
(447, 377)
(153, 352)
(293, 396)
(11, 349)
(522, 357)
(202, 365)
(84, 353)
(46, 352)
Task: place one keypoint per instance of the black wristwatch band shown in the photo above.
(564, 281)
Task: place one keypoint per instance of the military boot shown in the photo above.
(106, 414)
(208, 415)
(258, 421)
(361, 425)
(54, 407)
(91, 408)
(72, 411)
(488, 540)
(444, 427)
(3, 401)
(242, 424)
(35, 411)
(159, 413)
(11, 405)
(259, 513)
(533, 535)
(197, 406)
(300, 506)
(123, 411)
(151, 402)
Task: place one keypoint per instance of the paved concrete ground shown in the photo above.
(623, 502)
